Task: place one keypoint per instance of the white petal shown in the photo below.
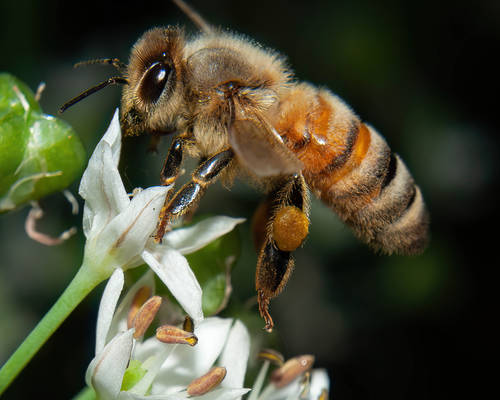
(319, 381)
(224, 394)
(217, 394)
(119, 323)
(292, 390)
(105, 372)
(113, 137)
(148, 348)
(235, 356)
(173, 269)
(101, 185)
(187, 363)
(188, 240)
(125, 236)
(107, 308)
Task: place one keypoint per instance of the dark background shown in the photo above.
(423, 73)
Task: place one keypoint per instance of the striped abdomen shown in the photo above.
(349, 166)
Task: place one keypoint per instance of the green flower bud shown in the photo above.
(39, 154)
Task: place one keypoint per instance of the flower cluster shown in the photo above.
(164, 366)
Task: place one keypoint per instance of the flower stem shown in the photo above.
(82, 284)
(85, 394)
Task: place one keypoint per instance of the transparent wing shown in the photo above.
(259, 148)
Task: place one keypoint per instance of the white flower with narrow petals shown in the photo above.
(119, 229)
(167, 369)
(290, 383)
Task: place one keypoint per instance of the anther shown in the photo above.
(207, 382)
(291, 369)
(272, 355)
(145, 315)
(188, 324)
(140, 298)
(173, 334)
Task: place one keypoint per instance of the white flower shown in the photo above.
(170, 367)
(119, 229)
(317, 388)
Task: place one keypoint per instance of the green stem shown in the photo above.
(85, 394)
(82, 284)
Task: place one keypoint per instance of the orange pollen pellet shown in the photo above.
(207, 382)
(173, 334)
(140, 298)
(290, 227)
(292, 369)
(146, 315)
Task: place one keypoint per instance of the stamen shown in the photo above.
(207, 382)
(146, 315)
(140, 298)
(323, 395)
(188, 325)
(291, 370)
(39, 91)
(305, 384)
(35, 214)
(173, 334)
(272, 355)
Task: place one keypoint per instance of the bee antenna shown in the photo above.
(111, 81)
(115, 62)
(196, 18)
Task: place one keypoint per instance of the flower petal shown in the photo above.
(105, 372)
(235, 356)
(188, 240)
(187, 363)
(125, 236)
(217, 394)
(101, 185)
(319, 382)
(107, 308)
(119, 323)
(173, 269)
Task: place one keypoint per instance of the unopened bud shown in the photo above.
(140, 298)
(291, 369)
(272, 355)
(207, 382)
(173, 334)
(146, 315)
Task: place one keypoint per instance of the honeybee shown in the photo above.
(238, 108)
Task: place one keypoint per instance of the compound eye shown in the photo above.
(154, 81)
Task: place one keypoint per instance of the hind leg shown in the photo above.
(285, 213)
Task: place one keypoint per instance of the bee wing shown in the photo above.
(261, 149)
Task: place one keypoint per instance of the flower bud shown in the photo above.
(41, 154)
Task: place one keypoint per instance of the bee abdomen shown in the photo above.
(350, 167)
(377, 197)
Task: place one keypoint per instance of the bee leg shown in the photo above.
(188, 196)
(287, 227)
(172, 165)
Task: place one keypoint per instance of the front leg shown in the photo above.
(188, 196)
(287, 226)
